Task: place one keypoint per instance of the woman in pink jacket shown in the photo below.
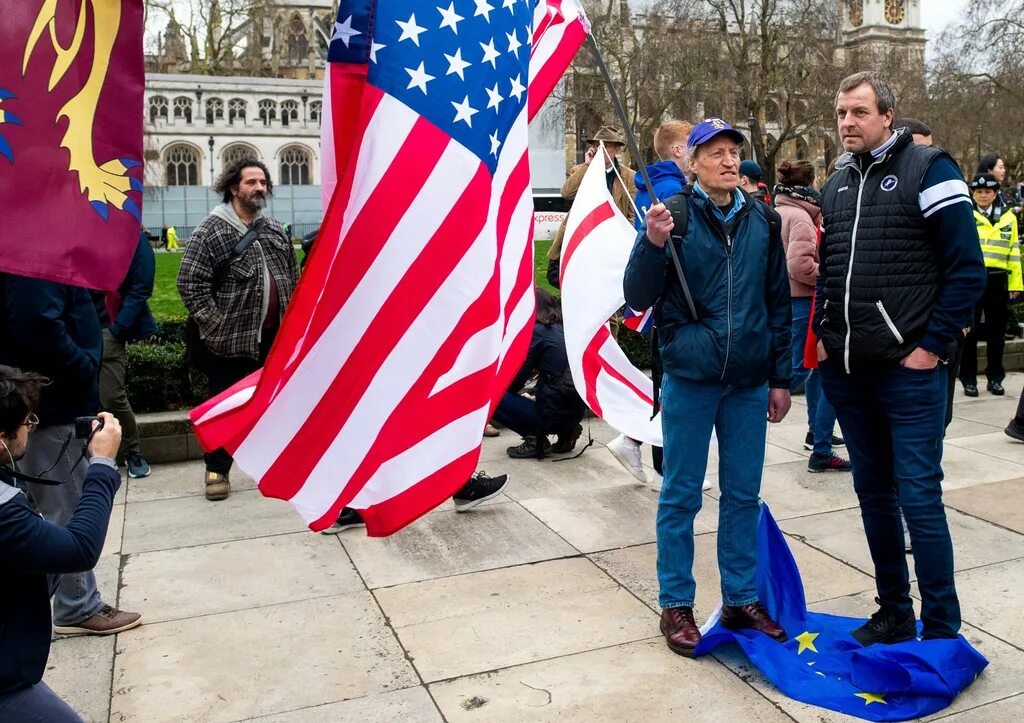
(796, 200)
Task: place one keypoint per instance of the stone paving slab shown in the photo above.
(237, 665)
(79, 671)
(1001, 503)
(412, 705)
(179, 479)
(472, 623)
(790, 490)
(641, 681)
(1007, 710)
(453, 543)
(206, 579)
(994, 444)
(966, 467)
(990, 598)
(841, 534)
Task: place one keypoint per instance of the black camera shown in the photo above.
(83, 426)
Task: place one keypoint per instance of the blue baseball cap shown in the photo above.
(709, 128)
(751, 170)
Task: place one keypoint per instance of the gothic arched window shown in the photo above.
(236, 110)
(214, 110)
(237, 151)
(183, 108)
(157, 108)
(268, 111)
(315, 110)
(182, 164)
(296, 162)
(289, 112)
(298, 42)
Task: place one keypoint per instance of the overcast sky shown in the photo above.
(937, 14)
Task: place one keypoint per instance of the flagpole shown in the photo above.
(631, 142)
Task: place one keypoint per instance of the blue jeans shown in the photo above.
(689, 412)
(801, 318)
(36, 703)
(893, 420)
(821, 415)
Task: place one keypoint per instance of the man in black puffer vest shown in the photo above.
(900, 273)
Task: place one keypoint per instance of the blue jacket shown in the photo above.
(31, 549)
(667, 179)
(559, 408)
(134, 320)
(736, 272)
(53, 329)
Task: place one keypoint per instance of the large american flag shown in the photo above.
(416, 307)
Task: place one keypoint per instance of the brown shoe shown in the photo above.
(218, 487)
(753, 616)
(680, 631)
(490, 431)
(106, 622)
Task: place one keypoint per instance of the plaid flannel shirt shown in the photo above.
(230, 317)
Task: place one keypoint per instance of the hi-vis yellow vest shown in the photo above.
(1000, 246)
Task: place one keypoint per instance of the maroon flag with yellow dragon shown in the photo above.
(71, 82)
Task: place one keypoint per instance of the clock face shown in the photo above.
(856, 13)
(894, 11)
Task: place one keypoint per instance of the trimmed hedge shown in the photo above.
(157, 378)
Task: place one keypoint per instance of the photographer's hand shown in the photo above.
(107, 440)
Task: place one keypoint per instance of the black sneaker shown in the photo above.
(566, 441)
(137, 465)
(831, 463)
(809, 441)
(884, 627)
(348, 519)
(970, 390)
(1015, 430)
(480, 488)
(996, 388)
(529, 448)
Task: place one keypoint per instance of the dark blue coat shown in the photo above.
(31, 549)
(559, 407)
(737, 275)
(53, 329)
(134, 321)
(667, 180)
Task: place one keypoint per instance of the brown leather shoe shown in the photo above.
(753, 616)
(680, 631)
(106, 622)
(218, 487)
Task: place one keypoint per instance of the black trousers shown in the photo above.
(223, 372)
(995, 305)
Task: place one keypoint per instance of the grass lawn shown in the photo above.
(166, 302)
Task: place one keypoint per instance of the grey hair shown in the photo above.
(886, 99)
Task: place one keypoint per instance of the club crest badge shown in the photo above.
(889, 183)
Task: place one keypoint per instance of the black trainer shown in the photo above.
(566, 441)
(348, 519)
(996, 388)
(884, 627)
(529, 448)
(809, 441)
(970, 390)
(480, 488)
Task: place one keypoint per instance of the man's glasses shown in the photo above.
(32, 422)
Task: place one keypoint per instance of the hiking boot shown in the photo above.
(823, 463)
(680, 631)
(348, 519)
(809, 441)
(1015, 430)
(478, 490)
(886, 627)
(566, 441)
(627, 452)
(755, 617)
(218, 487)
(970, 390)
(106, 622)
(137, 465)
(996, 388)
(529, 448)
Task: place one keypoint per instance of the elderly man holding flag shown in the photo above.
(723, 369)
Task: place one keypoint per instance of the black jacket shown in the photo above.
(737, 276)
(559, 407)
(134, 321)
(53, 329)
(30, 550)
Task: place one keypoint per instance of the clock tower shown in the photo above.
(884, 35)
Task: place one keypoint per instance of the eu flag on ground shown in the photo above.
(824, 666)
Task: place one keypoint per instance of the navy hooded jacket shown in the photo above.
(667, 180)
(736, 273)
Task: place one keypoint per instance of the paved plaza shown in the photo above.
(539, 606)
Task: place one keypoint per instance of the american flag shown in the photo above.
(416, 307)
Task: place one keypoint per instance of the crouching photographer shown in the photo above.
(33, 551)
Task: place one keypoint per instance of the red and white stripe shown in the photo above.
(413, 313)
(594, 256)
